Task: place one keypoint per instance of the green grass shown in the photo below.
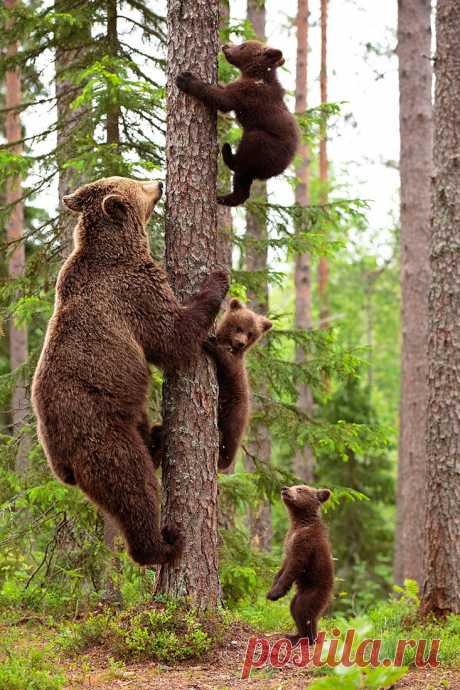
(27, 666)
(266, 616)
(167, 631)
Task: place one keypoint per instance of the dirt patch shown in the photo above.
(219, 670)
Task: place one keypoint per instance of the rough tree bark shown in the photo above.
(415, 83)
(224, 213)
(259, 445)
(303, 462)
(441, 592)
(18, 345)
(69, 53)
(323, 264)
(189, 407)
(113, 114)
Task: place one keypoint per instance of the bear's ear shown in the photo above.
(323, 495)
(75, 201)
(114, 206)
(274, 57)
(266, 324)
(235, 304)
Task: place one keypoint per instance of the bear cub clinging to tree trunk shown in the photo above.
(270, 136)
(237, 332)
(308, 561)
(115, 312)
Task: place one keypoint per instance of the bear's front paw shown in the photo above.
(171, 535)
(210, 345)
(183, 80)
(220, 281)
(274, 594)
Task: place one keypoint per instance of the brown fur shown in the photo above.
(115, 313)
(270, 136)
(237, 332)
(308, 561)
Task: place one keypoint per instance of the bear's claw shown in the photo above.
(183, 80)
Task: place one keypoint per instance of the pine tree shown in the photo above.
(415, 79)
(256, 254)
(190, 396)
(303, 461)
(18, 347)
(441, 590)
(323, 264)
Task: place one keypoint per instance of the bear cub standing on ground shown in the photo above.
(115, 312)
(308, 561)
(270, 136)
(238, 331)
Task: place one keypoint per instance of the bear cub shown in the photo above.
(238, 331)
(115, 313)
(270, 132)
(308, 561)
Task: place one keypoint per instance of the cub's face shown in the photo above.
(304, 500)
(115, 197)
(241, 328)
(252, 56)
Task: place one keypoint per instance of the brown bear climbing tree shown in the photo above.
(270, 132)
(114, 314)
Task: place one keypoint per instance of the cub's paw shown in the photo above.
(212, 348)
(229, 200)
(183, 80)
(220, 281)
(210, 345)
(274, 595)
(222, 200)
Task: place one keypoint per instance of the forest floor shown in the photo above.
(219, 670)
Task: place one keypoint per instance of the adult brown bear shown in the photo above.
(270, 136)
(114, 313)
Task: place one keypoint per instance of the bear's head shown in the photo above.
(304, 502)
(253, 58)
(241, 328)
(116, 199)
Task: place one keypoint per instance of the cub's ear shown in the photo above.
(266, 324)
(75, 201)
(323, 495)
(235, 304)
(274, 57)
(114, 206)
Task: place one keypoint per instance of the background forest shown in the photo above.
(344, 387)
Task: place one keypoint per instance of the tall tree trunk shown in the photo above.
(224, 213)
(323, 265)
(441, 592)
(113, 114)
(259, 445)
(189, 406)
(17, 261)
(69, 121)
(303, 462)
(415, 83)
